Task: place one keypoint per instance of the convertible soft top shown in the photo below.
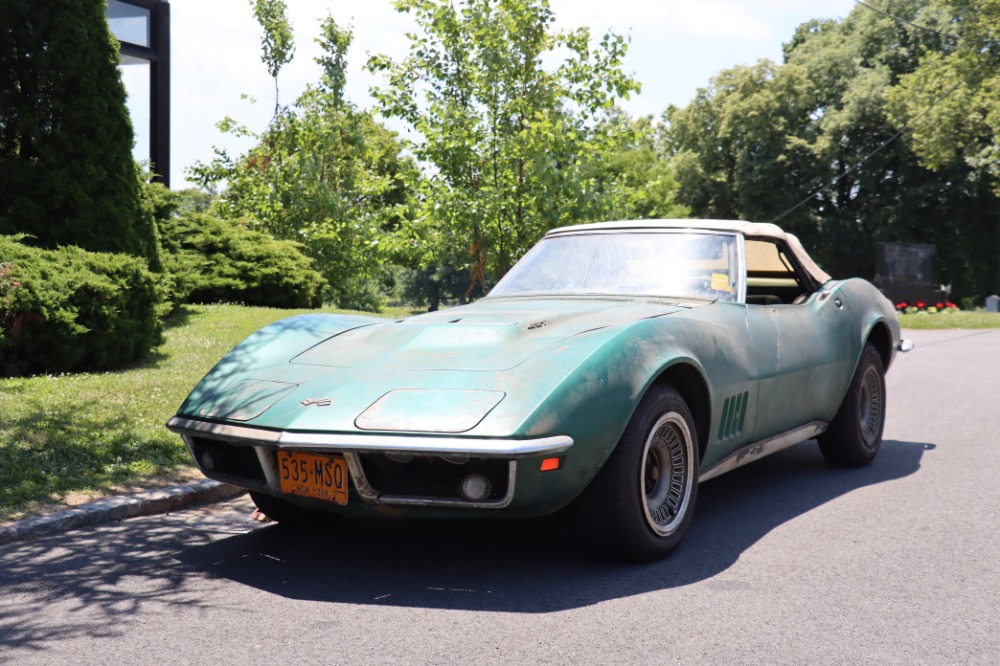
(764, 230)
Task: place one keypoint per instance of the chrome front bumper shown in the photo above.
(351, 446)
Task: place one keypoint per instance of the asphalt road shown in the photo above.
(788, 562)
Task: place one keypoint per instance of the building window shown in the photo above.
(129, 23)
(143, 29)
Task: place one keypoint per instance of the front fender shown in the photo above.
(270, 346)
(594, 403)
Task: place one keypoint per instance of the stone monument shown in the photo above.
(905, 273)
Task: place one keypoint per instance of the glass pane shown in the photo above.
(129, 23)
(693, 265)
(136, 77)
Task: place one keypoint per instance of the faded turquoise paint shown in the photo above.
(569, 366)
(805, 358)
(263, 354)
(871, 309)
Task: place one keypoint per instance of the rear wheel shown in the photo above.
(286, 513)
(855, 434)
(642, 501)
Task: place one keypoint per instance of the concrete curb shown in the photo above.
(117, 508)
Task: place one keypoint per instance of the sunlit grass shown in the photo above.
(95, 434)
(941, 320)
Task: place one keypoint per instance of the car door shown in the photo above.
(803, 348)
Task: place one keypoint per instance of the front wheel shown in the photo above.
(642, 501)
(855, 434)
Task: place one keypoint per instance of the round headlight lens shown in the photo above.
(476, 487)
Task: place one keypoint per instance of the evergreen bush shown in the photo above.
(221, 261)
(66, 166)
(68, 309)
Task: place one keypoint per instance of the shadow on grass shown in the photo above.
(156, 358)
(53, 441)
(49, 448)
(179, 317)
(141, 566)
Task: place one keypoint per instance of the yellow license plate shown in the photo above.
(311, 475)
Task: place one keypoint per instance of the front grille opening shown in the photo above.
(433, 477)
(216, 457)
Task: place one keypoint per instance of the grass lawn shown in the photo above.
(964, 319)
(69, 438)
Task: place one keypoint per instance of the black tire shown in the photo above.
(855, 434)
(633, 509)
(286, 513)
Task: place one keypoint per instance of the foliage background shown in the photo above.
(66, 167)
(825, 130)
(876, 128)
(221, 261)
(67, 309)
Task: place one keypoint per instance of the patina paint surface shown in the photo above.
(518, 368)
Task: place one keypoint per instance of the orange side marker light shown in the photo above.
(550, 464)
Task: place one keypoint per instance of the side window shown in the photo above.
(772, 278)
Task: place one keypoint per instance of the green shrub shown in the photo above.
(221, 261)
(68, 309)
(66, 166)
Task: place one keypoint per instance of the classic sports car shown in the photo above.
(617, 365)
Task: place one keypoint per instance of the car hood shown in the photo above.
(439, 372)
(487, 336)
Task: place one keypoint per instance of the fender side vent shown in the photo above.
(734, 414)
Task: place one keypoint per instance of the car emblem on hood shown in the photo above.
(319, 402)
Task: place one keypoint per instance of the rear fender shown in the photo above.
(877, 319)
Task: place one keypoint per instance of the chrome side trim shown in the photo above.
(764, 447)
(369, 443)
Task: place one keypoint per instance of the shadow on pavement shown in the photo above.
(537, 566)
(82, 583)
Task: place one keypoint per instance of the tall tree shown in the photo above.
(637, 178)
(811, 144)
(66, 167)
(326, 175)
(952, 101)
(277, 45)
(512, 121)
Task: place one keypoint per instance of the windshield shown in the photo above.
(629, 263)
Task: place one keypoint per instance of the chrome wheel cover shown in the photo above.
(667, 475)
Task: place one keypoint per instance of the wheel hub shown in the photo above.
(667, 473)
(870, 405)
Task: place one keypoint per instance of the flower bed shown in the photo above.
(918, 307)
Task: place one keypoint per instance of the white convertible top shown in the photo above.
(763, 230)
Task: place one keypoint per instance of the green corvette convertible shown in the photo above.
(615, 366)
